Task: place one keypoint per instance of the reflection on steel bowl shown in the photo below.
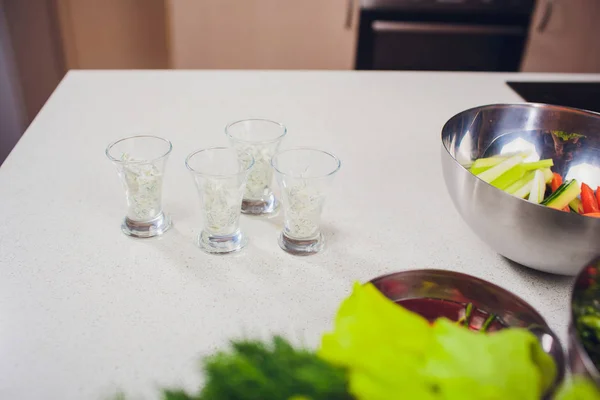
(491, 304)
(584, 329)
(530, 234)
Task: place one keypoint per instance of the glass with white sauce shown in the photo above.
(304, 176)
(220, 175)
(140, 162)
(261, 138)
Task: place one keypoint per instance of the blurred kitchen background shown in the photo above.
(40, 40)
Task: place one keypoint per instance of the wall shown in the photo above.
(36, 45)
(12, 108)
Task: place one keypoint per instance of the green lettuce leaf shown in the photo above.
(372, 335)
(392, 353)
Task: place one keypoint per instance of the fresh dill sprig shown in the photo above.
(255, 370)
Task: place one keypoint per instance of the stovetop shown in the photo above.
(584, 95)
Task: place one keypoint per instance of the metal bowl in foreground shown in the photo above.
(584, 298)
(461, 288)
(529, 234)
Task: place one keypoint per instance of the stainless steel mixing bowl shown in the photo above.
(462, 288)
(529, 234)
(579, 360)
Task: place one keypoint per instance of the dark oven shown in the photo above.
(443, 35)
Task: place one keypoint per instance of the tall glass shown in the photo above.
(140, 162)
(260, 138)
(304, 175)
(220, 176)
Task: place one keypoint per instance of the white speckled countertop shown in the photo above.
(86, 311)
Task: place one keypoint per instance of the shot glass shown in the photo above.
(260, 138)
(304, 175)
(220, 177)
(140, 162)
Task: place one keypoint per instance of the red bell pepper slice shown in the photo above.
(556, 182)
(588, 200)
(598, 195)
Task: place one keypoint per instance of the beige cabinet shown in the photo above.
(118, 34)
(564, 37)
(262, 34)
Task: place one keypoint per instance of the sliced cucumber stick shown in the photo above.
(576, 206)
(565, 194)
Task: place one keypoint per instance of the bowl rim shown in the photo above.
(472, 278)
(589, 366)
(525, 105)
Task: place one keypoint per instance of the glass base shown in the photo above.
(147, 229)
(270, 206)
(222, 244)
(301, 247)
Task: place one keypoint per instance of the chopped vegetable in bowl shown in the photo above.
(535, 182)
(586, 313)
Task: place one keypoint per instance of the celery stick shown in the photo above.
(530, 166)
(483, 164)
(538, 187)
(494, 172)
(528, 178)
(509, 177)
(547, 174)
(524, 191)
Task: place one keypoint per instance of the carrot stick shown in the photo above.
(594, 215)
(554, 184)
(590, 204)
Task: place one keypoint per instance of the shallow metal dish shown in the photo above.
(462, 288)
(579, 360)
(529, 234)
